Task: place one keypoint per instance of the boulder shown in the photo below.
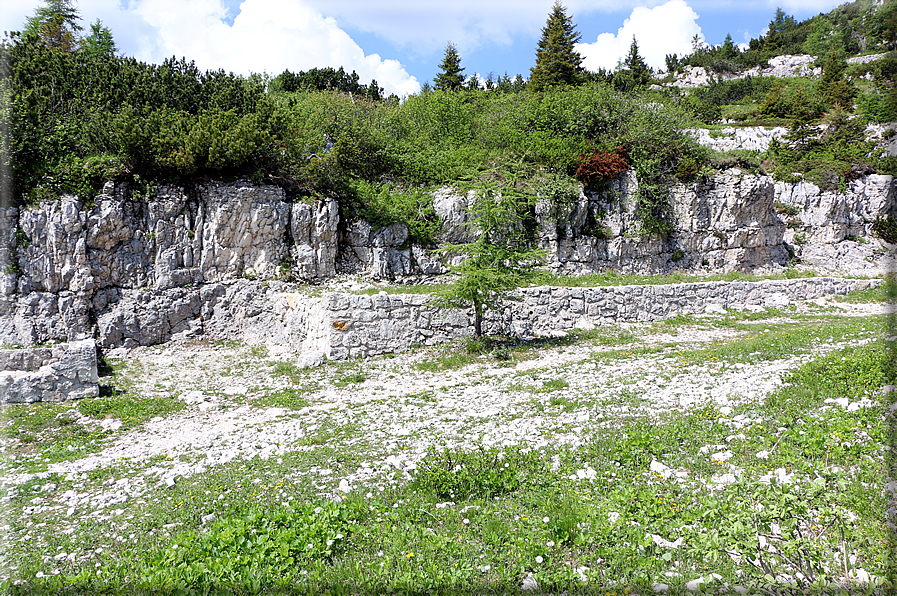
(59, 373)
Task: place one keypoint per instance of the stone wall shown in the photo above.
(53, 374)
(352, 326)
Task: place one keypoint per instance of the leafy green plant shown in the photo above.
(250, 545)
(454, 473)
(130, 410)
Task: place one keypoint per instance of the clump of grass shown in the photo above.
(292, 398)
(130, 410)
(350, 379)
(455, 473)
(285, 368)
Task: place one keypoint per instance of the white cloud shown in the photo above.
(424, 26)
(665, 29)
(266, 35)
(269, 35)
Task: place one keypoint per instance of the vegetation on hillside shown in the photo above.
(80, 115)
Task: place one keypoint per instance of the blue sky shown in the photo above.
(401, 42)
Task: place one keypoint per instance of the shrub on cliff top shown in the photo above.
(601, 166)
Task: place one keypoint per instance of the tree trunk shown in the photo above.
(477, 318)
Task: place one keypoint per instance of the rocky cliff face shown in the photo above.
(142, 272)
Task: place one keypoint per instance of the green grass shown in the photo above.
(783, 340)
(292, 398)
(886, 292)
(130, 410)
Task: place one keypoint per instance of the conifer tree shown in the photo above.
(636, 65)
(452, 75)
(833, 86)
(99, 42)
(635, 72)
(557, 61)
(56, 25)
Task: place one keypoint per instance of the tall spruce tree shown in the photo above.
(452, 75)
(56, 25)
(634, 72)
(557, 61)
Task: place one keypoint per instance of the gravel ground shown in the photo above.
(397, 411)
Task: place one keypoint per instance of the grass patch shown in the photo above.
(350, 379)
(291, 398)
(131, 411)
(886, 292)
(783, 341)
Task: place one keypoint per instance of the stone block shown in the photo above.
(61, 373)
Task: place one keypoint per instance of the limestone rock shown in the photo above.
(314, 232)
(378, 252)
(59, 373)
(755, 138)
(452, 209)
(779, 66)
(830, 216)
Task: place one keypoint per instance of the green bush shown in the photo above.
(885, 227)
(459, 474)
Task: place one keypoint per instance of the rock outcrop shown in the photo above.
(726, 223)
(140, 272)
(53, 374)
(779, 66)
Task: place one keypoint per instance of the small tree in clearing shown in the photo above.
(499, 261)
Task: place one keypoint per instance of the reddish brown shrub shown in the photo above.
(601, 166)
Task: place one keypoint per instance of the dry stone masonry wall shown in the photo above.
(356, 326)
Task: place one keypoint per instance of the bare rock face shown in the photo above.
(452, 209)
(832, 216)
(172, 241)
(379, 251)
(832, 230)
(726, 223)
(59, 373)
(313, 228)
(729, 222)
(243, 231)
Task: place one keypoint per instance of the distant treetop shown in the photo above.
(557, 61)
(56, 25)
(451, 76)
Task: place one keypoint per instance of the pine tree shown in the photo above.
(833, 86)
(56, 25)
(452, 75)
(635, 72)
(557, 61)
(99, 42)
(729, 49)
